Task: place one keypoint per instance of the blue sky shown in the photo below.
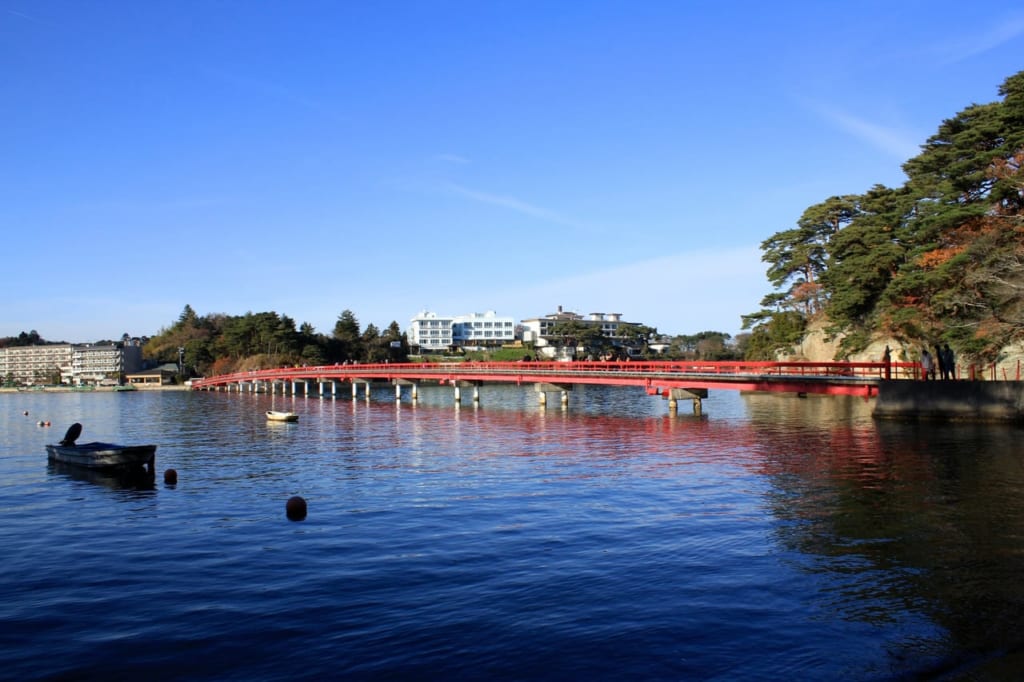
(458, 156)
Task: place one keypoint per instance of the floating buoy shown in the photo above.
(295, 508)
(171, 476)
(25, 413)
(47, 422)
(42, 423)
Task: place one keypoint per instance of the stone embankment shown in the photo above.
(991, 392)
(973, 401)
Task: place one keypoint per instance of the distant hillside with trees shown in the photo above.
(939, 259)
(221, 344)
(215, 344)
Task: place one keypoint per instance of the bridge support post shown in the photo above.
(542, 390)
(366, 391)
(694, 394)
(355, 390)
(404, 382)
(458, 393)
(415, 396)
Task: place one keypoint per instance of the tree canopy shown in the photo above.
(219, 343)
(940, 258)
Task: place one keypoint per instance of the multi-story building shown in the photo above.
(68, 364)
(538, 330)
(430, 331)
(35, 365)
(483, 329)
(104, 364)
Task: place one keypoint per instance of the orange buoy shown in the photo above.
(295, 508)
(171, 476)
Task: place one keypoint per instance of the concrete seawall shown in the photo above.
(974, 401)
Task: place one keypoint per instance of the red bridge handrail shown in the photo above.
(726, 374)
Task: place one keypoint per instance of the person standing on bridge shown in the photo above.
(948, 362)
(927, 367)
(940, 362)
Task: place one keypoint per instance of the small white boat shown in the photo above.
(275, 416)
(100, 455)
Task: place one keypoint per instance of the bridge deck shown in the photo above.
(846, 378)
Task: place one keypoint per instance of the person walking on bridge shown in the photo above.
(927, 366)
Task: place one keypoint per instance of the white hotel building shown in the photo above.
(68, 363)
(432, 332)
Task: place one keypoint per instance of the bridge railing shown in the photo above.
(675, 368)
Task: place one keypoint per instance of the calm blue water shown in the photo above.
(772, 538)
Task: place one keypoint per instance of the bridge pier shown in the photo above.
(542, 390)
(694, 394)
(404, 382)
(459, 385)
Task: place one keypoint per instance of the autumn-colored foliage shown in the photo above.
(939, 259)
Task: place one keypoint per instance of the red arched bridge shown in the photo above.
(670, 379)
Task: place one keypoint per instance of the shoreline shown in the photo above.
(96, 389)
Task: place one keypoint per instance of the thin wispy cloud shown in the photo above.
(895, 143)
(662, 301)
(969, 46)
(513, 204)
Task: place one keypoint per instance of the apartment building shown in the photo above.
(432, 332)
(68, 364)
(35, 365)
(483, 329)
(538, 330)
(104, 364)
